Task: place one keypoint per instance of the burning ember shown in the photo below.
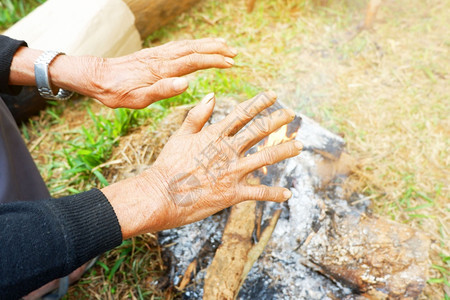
(276, 138)
(318, 245)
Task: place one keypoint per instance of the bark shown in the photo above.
(82, 27)
(237, 254)
(318, 229)
(370, 254)
(224, 274)
(153, 14)
(372, 9)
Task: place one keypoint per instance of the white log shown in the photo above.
(103, 28)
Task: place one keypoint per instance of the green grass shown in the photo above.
(384, 91)
(80, 159)
(93, 146)
(90, 146)
(444, 270)
(12, 11)
(78, 162)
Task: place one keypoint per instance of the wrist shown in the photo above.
(77, 73)
(81, 74)
(140, 204)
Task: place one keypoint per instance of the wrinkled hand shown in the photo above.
(134, 81)
(201, 171)
(152, 74)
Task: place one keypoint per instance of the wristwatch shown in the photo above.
(41, 75)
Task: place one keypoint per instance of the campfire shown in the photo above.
(276, 138)
(319, 244)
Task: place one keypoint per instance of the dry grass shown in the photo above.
(386, 91)
(134, 268)
(142, 272)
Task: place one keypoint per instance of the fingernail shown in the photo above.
(233, 50)
(207, 98)
(298, 145)
(271, 94)
(287, 194)
(229, 60)
(221, 40)
(180, 84)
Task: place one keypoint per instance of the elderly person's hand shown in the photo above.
(201, 171)
(149, 75)
(133, 81)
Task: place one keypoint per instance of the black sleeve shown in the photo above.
(8, 47)
(44, 240)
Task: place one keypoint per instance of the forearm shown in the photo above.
(133, 81)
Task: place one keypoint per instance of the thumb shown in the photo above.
(162, 89)
(198, 116)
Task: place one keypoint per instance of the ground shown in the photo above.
(386, 91)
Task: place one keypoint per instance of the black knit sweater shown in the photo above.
(47, 239)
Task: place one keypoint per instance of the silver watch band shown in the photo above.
(42, 81)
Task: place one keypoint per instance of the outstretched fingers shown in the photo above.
(269, 156)
(179, 49)
(198, 116)
(245, 112)
(266, 193)
(194, 62)
(162, 89)
(262, 127)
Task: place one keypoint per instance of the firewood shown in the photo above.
(237, 254)
(151, 15)
(250, 5)
(372, 9)
(80, 27)
(371, 254)
(223, 277)
(187, 275)
(349, 253)
(259, 247)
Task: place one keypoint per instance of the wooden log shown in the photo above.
(224, 274)
(82, 27)
(237, 253)
(372, 9)
(250, 5)
(152, 14)
(370, 254)
(324, 142)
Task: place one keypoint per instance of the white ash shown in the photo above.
(186, 242)
(279, 273)
(318, 139)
